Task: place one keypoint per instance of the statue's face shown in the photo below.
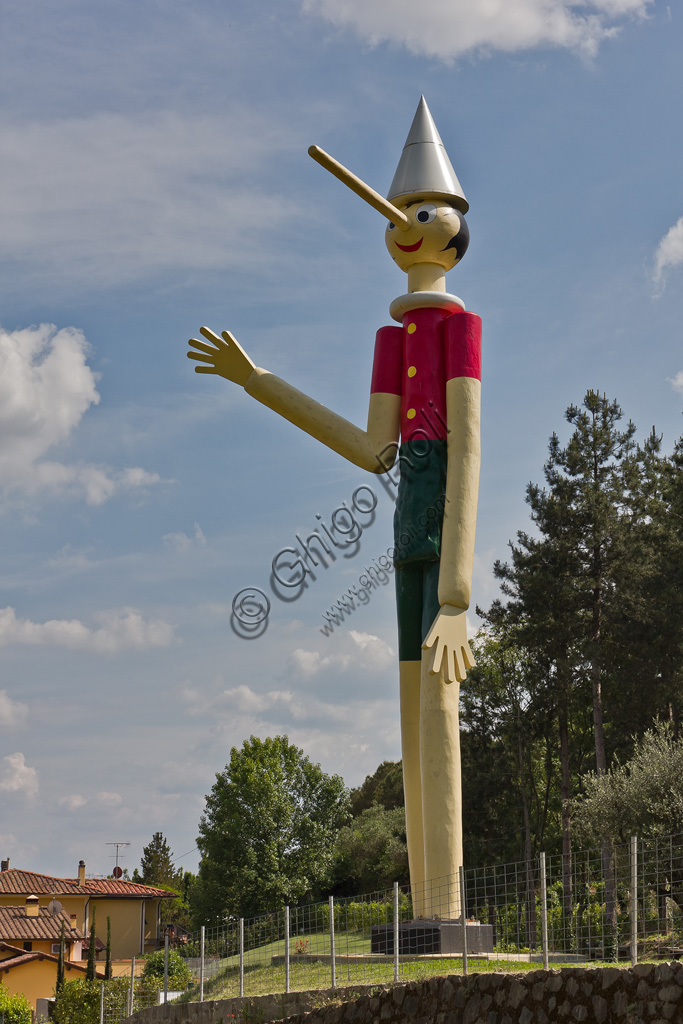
(438, 234)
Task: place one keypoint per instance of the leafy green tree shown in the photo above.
(14, 1009)
(509, 754)
(179, 976)
(268, 832)
(384, 787)
(91, 965)
(179, 911)
(371, 852)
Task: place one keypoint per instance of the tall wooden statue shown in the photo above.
(426, 391)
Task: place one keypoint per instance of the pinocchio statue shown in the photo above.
(426, 392)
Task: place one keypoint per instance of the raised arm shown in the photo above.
(373, 449)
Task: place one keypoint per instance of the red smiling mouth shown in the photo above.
(409, 248)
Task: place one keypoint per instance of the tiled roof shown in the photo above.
(27, 958)
(7, 947)
(29, 883)
(16, 926)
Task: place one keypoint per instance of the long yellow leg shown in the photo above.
(410, 672)
(441, 792)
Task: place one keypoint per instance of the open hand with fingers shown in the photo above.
(224, 356)
(448, 637)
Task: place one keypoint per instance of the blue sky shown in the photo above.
(154, 178)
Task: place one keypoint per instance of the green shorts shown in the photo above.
(418, 521)
(417, 603)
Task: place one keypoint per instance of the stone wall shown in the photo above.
(248, 1010)
(649, 993)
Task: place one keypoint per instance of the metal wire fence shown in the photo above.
(623, 902)
(618, 903)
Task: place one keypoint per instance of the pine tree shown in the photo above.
(157, 864)
(566, 599)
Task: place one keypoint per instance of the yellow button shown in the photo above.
(412, 328)
(410, 414)
(411, 371)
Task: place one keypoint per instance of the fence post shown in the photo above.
(241, 956)
(102, 1003)
(131, 995)
(634, 900)
(397, 933)
(463, 920)
(544, 910)
(201, 963)
(333, 971)
(286, 949)
(166, 968)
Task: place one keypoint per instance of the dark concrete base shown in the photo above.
(424, 936)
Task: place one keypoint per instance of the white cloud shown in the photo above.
(120, 630)
(181, 542)
(669, 253)
(677, 382)
(109, 799)
(76, 801)
(374, 651)
(364, 652)
(144, 193)
(73, 802)
(69, 558)
(18, 777)
(13, 713)
(450, 28)
(247, 710)
(46, 387)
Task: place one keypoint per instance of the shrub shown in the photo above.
(14, 1009)
(78, 1002)
(178, 973)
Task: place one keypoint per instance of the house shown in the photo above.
(29, 948)
(134, 909)
(34, 974)
(35, 929)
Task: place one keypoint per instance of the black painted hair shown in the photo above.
(460, 241)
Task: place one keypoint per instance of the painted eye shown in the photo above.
(425, 214)
(390, 226)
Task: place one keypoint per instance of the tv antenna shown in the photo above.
(117, 872)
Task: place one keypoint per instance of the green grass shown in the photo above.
(261, 977)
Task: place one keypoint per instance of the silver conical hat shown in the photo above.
(424, 167)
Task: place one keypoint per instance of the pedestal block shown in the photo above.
(425, 936)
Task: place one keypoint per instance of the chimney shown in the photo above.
(81, 872)
(4, 865)
(32, 906)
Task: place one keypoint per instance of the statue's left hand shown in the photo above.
(448, 638)
(224, 356)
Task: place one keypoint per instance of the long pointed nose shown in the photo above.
(375, 200)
